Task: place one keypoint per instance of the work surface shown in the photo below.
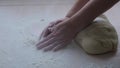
(22, 21)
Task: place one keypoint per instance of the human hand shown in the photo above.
(58, 37)
(48, 30)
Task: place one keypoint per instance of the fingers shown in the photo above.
(45, 33)
(50, 41)
(48, 30)
(56, 46)
(58, 21)
(55, 23)
(60, 46)
(45, 44)
(43, 40)
(50, 47)
(51, 44)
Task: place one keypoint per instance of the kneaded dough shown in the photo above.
(98, 38)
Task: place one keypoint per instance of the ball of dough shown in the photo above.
(98, 38)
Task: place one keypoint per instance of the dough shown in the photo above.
(98, 38)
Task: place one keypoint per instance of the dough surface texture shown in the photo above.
(98, 38)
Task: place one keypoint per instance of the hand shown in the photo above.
(48, 30)
(60, 36)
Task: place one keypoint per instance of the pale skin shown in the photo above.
(61, 32)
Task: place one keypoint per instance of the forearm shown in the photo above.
(89, 12)
(78, 5)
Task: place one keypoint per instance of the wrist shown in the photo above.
(74, 27)
(71, 26)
